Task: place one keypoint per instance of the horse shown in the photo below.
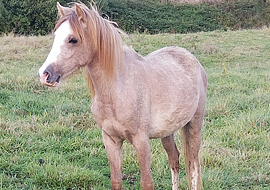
(134, 98)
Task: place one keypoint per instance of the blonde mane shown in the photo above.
(104, 37)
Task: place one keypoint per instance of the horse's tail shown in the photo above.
(191, 144)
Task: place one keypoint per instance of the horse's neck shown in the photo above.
(104, 85)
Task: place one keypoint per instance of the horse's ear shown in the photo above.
(61, 9)
(80, 13)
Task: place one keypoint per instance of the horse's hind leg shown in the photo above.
(173, 157)
(191, 137)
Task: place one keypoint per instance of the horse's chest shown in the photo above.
(115, 121)
(102, 112)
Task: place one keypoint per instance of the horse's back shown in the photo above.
(178, 63)
(174, 67)
(168, 56)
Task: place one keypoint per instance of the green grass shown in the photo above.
(56, 124)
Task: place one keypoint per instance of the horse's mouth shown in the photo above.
(44, 80)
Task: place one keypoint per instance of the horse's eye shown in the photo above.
(73, 41)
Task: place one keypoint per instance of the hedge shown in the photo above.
(28, 17)
(38, 17)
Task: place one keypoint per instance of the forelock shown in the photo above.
(75, 25)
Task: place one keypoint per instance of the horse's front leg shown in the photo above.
(113, 147)
(142, 145)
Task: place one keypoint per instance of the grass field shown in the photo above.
(56, 125)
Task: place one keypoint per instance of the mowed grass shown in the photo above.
(56, 125)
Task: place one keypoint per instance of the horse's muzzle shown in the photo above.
(50, 79)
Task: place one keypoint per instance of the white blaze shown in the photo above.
(59, 39)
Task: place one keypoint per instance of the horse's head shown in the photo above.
(69, 51)
(81, 37)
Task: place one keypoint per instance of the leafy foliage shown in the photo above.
(38, 17)
(156, 18)
(29, 17)
(4, 27)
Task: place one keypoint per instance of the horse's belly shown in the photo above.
(165, 124)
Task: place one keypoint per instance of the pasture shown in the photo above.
(56, 125)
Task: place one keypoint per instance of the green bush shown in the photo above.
(155, 18)
(245, 14)
(4, 26)
(38, 17)
(29, 17)
(26, 17)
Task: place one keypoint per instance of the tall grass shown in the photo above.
(56, 125)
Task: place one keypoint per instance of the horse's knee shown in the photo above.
(147, 185)
(116, 185)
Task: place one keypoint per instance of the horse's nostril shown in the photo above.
(47, 76)
(58, 79)
(46, 73)
(51, 76)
